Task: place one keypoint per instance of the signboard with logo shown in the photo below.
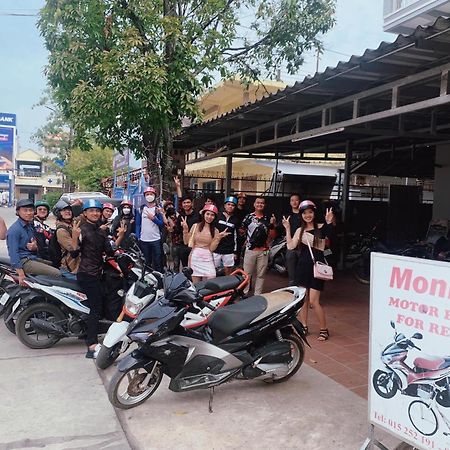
(409, 363)
(6, 148)
(121, 161)
(7, 119)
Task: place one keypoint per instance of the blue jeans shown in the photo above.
(153, 254)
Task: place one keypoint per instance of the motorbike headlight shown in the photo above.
(133, 307)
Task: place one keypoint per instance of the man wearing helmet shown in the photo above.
(42, 232)
(22, 248)
(93, 244)
(149, 222)
(225, 252)
(68, 243)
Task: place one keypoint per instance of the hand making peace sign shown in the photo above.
(224, 233)
(329, 215)
(184, 224)
(286, 223)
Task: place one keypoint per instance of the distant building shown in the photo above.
(34, 178)
(403, 16)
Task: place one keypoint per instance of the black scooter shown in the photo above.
(257, 338)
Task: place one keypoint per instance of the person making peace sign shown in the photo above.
(203, 238)
(314, 233)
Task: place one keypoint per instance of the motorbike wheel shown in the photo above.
(107, 355)
(423, 417)
(279, 264)
(298, 355)
(125, 389)
(361, 270)
(27, 334)
(384, 384)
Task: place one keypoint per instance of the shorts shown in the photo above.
(226, 260)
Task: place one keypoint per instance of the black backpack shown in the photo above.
(55, 252)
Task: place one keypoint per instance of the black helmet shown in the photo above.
(24, 202)
(60, 205)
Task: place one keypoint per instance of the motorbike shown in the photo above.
(428, 374)
(218, 292)
(256, 338)
(277, 255)
(55, 308)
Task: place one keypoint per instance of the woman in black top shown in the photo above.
(124, 219)
(314, 233)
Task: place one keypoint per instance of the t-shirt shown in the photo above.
(295, 221)
(227, 244)
(258, 228)
(149, 230)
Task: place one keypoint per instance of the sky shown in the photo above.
(359, 25)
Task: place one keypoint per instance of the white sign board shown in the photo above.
(409, 363)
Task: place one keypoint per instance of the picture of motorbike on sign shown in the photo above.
(427, 381)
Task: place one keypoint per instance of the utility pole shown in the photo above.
(318, 53)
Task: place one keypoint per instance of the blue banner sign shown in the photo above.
(8, 119)
(6, 148)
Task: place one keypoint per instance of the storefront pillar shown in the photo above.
(229, 172)
(441, 198)
(345, 204)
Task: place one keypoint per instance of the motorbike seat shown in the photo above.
(432, 363)
(5, 260)
(223, 283)
(60, 282)
(276, 301)
(225, 321)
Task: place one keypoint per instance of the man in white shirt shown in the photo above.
(149, 222)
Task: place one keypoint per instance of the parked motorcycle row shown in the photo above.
(200, 336)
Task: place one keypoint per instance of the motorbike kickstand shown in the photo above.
(211, 398)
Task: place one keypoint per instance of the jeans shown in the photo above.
(40, 267)
(180, 254)
(153, 254)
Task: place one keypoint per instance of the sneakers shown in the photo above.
(92, 354)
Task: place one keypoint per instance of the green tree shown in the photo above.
(130, 70)
(87, 168)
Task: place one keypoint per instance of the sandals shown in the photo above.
(323, 335)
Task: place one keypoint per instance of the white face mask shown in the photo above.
(126, 211)
(150, 198)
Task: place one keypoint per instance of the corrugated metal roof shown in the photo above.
(425, 48)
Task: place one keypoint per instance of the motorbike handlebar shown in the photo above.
(411, 343)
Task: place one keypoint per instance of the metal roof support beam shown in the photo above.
(350, 100)
(444, 83)
(345, 196)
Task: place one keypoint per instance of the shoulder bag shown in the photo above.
(322, 271)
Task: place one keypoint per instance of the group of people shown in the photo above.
(214, 237)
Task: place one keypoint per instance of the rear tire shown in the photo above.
(134, 394)
(361, 270)
(298, 355)
(25, 331)
(107, 355)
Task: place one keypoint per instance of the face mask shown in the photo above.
(126, 211)
(150, 198)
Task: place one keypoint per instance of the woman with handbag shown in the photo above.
(312, 269)
(203, 238)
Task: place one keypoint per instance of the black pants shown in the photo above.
(92, 287)
(291, 264)
(180, 256)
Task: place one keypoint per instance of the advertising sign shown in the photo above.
(6, 148)
(409, 364)
(7, 119)
(121, 161)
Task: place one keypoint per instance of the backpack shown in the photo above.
(55, 252)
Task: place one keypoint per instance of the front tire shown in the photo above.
(28, 335)
(107, 355)
(384, 384)
(126, 391)
(298, 355)
(361, 269)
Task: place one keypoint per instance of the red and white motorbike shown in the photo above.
(427, 374)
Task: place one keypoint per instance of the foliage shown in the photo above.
(87, 168)
(130, 70)
(52, 197)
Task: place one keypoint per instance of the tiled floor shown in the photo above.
(344, 357)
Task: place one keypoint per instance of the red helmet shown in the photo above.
(109, 206)
(211, 207)
(307, 204)
(150, 190)
(126, 202)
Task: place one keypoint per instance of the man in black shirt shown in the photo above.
(180, 251)
(225, 252)
(295, 218)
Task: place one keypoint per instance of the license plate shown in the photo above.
(4, 298)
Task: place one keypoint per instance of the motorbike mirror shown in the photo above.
(187, 272)
(417, 336)
(392, 324)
